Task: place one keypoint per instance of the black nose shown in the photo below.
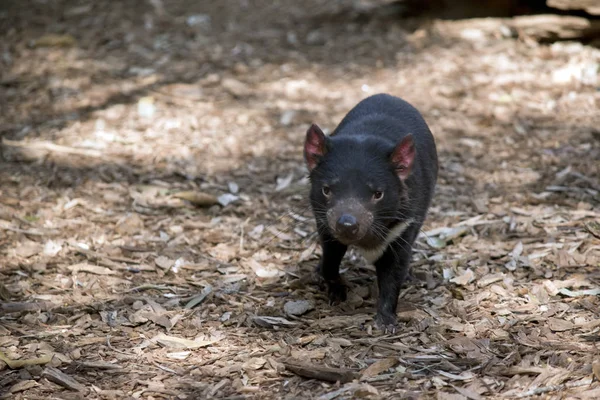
(347, 225)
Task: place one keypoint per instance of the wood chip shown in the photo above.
(62, 379)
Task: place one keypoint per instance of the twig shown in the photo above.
(62, 379)
(148, 287)
(110, 346)
(90, 254)
(315, 371)
(52, 148)
(26, 231)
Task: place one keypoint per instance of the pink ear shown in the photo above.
(314, 146)
(403, 156)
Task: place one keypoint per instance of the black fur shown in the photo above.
(355, 163)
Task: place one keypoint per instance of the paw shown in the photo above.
(336, 291)
(386, 323)
(318, 269)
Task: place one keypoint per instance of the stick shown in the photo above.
(62, 379)
(315, 371)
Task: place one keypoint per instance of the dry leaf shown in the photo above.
(596, 369)
(465, 278)
(269, 322)
(340, 321)
(180, 343)
(284, 182)
(22, 386)
(164, 262)
(227, 198)
(199, 199)
(15, 364)
(465, 376)
(52, 248)
(200, 298)
(254, 364)
(559, 325)
(378, 367)
(129, 225)
(92, 269)
(179, 355)
(579, 293)
(28, 248)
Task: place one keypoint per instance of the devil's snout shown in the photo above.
(347, 225)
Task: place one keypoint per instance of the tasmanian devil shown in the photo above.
(372, 181)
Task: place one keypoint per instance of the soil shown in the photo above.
(155, 236)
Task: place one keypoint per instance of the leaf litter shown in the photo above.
(168, 233)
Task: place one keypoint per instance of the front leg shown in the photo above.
(392, 269)
(329, 267)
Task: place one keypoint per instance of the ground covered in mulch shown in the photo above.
(155, 240)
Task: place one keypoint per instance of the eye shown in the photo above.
(326, 191)
(378, 195)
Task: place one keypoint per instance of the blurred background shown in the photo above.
(152, 182)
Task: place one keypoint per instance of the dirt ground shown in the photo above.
(125, 122)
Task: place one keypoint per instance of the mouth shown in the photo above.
(348, 239)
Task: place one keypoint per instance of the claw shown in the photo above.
(386, 324)
(337, 292)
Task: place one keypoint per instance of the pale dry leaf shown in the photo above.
(21, 386)
(130, 225)
(340, 321)
(268, 272)
(27, 249)
(309, 251)
(469, 394)
(227, 198)
(466, 277)
(92, 269)
(235, 87)
(199, 199)
(352, 390)
(233, 187)
(52, 248)
(316, 354)
(579, 293)
(269, 322)
(256, 232)
(450, 396)
(379, 366)
(339, 342)
(164, 262)
(464, 376)
(223, 252)
(146, 107)
(559, 325)
(254, 363)
(180, 343)
(179, 355)
(517, 251)
(284, 182)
